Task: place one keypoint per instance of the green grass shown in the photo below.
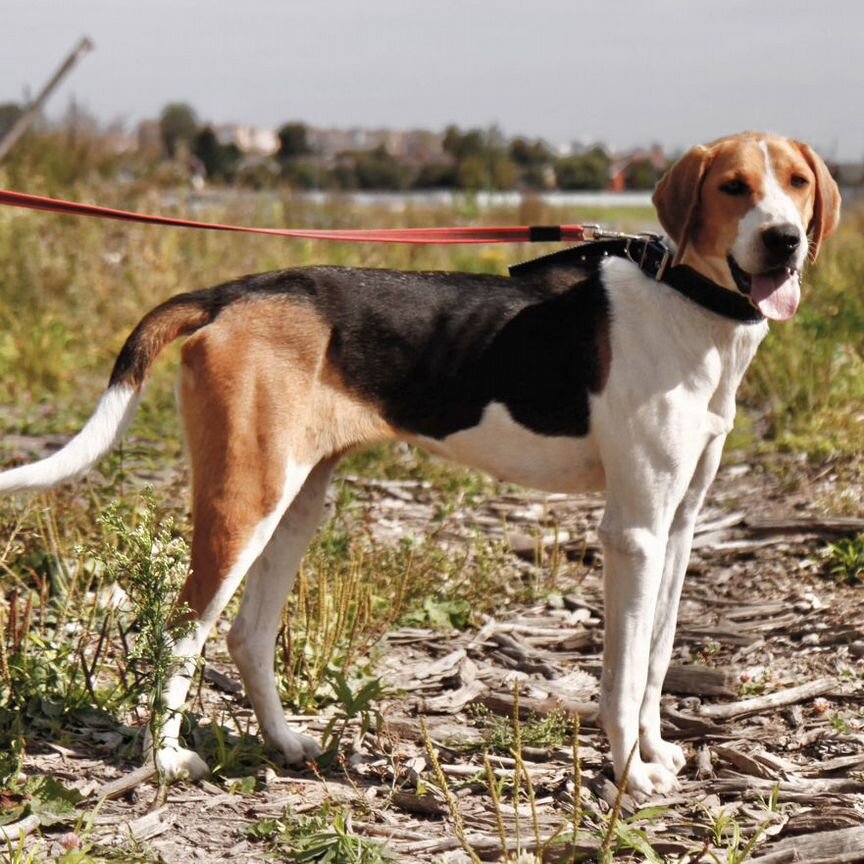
(553, 730)
(325, 837)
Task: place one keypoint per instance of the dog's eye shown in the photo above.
(735, 187)
(799, 182)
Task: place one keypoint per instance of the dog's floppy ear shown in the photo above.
(826, 207)
(677, 195)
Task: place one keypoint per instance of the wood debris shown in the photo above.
(764, 695)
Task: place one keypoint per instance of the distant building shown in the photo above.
(249, 140)
(416, 145)
(621, 162)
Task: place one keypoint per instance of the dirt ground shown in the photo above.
(765, 695)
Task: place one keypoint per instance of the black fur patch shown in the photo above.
(432, 350)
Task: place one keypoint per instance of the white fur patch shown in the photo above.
(509, 451)
(774, 208)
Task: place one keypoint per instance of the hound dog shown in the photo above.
(583, 370)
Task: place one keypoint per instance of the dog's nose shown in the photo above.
(781, 239)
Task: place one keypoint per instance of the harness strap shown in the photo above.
(652, 256)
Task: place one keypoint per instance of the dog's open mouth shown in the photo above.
(776, 293)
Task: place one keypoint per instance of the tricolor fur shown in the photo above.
(562, 380)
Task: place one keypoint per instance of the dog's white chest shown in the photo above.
(509, 451)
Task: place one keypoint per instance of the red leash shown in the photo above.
(482, 234)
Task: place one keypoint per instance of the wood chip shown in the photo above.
(453, 701)
(736, 784)
(699, 681)
(12, 833)
(419, 805)
(441, 667)
(718, 523)
(835, 847)
(835, 525)
(704, 765)
(824, 818)
(503, 703)
(221, 681)
(830, 766)
(151, 824)
(525, 657)
(769, 701)
(745, 763)
(126, 783)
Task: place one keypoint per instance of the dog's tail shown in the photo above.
(177, 317)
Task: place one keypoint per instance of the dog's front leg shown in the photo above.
(647, 476)
(653, 747)
(633, 567)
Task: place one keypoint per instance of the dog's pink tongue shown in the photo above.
(776, 294)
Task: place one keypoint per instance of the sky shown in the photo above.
(626, 72)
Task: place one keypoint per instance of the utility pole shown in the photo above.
(32, 110)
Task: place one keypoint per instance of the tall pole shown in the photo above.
(22, 124)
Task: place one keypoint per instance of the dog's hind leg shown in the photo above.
(228, 538)
(252, 639)
(245, 423)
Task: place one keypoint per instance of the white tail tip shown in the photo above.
(103, 430)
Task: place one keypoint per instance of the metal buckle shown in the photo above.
(664, 265)
(651, 237)
(646, 239)
(640, 263)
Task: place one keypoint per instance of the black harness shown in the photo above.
(652, 256)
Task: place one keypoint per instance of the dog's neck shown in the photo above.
(653, 257)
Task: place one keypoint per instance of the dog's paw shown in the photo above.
(647, 779)
(664, 753)
(296, 749)
(177, 763)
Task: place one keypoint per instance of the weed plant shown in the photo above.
(150, 561)
(326, 836)
(846, 560)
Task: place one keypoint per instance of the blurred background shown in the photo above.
(393, 96)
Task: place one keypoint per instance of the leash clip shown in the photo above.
(595, 232)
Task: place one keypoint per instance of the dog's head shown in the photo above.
(744, 211)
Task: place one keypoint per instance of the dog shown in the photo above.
(610, 366)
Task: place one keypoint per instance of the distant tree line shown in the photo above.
(473, 160)
(470, 159)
